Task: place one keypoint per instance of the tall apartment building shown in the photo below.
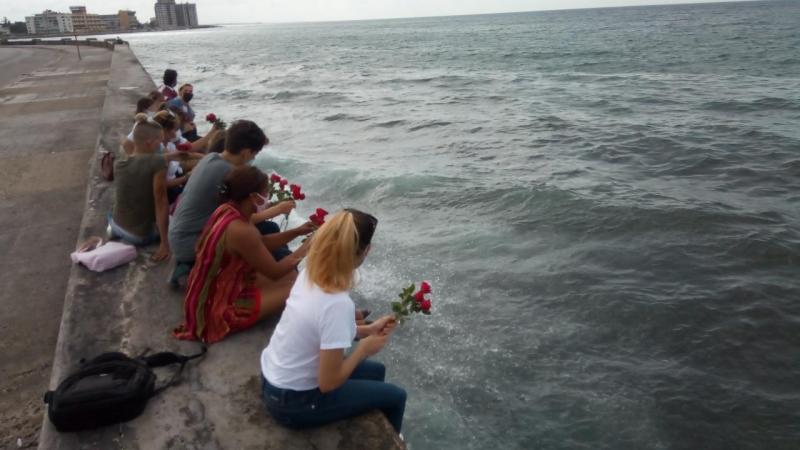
(83, 22)
(172, 15)
(165, 14)
(49, 22)
(186, 13)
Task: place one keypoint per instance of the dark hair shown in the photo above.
(170, 77)
(241, 182)
(244, 134)
(365, 228)
(217, 143)
(143, 104)
(166, 120)
(155, 95)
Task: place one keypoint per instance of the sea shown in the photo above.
(606, 202)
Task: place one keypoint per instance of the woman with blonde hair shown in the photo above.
(307, 380)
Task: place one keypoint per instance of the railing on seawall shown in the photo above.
(91, 42)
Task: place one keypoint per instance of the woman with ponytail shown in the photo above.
(307, 380)
(140, 214)
(235, 281)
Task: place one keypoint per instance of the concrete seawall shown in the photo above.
(131, 309)
(50, 105)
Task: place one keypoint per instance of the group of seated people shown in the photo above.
(205, 204)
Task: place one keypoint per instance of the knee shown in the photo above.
(397, 394)
(376, 371)
(268, 227)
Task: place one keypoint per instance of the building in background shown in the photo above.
(175, 15)
(186, 14)
(166, 14)
(110, 21)
(127, 20)
(83, 22)
(49, 22)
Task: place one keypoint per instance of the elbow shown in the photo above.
(328, 383)
(327, 386)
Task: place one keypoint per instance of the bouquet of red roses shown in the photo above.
(277, 188)
(411, 302)
(216, 121)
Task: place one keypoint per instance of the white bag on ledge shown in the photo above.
(100, 257)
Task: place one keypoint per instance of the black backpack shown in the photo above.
(108, 389)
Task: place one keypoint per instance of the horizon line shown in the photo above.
(679, 3)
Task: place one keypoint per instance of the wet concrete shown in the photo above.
(46, 143)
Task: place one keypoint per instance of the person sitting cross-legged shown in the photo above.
(307, 379)
(235, 281)
(243, 140)
(140, 215)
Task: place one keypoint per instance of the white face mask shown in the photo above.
(264, 205)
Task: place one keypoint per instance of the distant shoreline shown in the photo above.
(104, 33)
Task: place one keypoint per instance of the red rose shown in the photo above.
(301, 197)
(425, 305)
(321, 213)
(275, 178)
(425, 287)
(211, 118)
(316, 220)
(419, 297)
(293, 187)
(283, 183)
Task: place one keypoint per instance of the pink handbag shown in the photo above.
(99, 257)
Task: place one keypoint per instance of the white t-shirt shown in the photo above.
(174, 166)
(312, 321)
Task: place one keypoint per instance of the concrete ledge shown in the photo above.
(108, 43)
(130, 309)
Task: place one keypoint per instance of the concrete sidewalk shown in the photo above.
(131, 309)
(47, 139)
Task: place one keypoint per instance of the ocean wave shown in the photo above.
(390, 123)
(430, 124)
(761, 104)
(430, 79)
(344, 117)
(314, 95)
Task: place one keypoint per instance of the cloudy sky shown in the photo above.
(233, 11)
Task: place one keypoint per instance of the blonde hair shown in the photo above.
(335, 248)
(145, 129)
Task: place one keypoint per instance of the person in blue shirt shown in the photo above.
(185, 94)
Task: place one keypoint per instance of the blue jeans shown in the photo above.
(270, 227)
(121, 233)
(363, 392)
